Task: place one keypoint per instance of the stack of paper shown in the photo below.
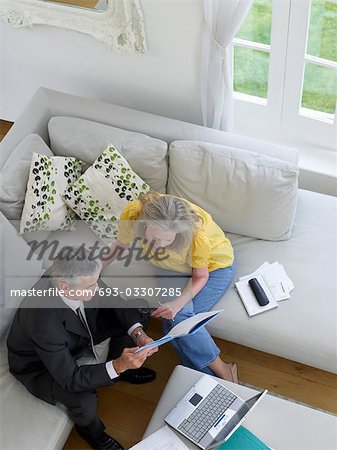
(275, 283)
(166, 439)
(163, 439)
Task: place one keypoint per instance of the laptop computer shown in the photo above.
(210, 413)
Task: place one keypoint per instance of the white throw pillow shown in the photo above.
(102, 192)
(84, 139)
(247, 193)
(15, 172)
(44, 208)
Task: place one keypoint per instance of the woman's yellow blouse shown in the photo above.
(210, 247)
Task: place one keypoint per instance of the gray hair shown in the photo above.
(71, 264)
(169, 212)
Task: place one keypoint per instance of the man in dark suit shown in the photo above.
(53, 328)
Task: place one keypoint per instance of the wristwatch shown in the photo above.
(138, 335)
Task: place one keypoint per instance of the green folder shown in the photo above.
(243, 439)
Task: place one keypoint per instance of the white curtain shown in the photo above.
(222, 20)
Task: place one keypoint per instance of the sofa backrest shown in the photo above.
(47, 103)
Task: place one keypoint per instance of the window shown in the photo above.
(251, 52)
(285, 70)
(320, 74)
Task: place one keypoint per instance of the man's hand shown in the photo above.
(145, 339)
(168, 311)
(130, 360)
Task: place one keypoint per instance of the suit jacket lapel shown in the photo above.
(71, 320)
(54, 302)
(74, 324)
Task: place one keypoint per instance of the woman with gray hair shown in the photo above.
(190, 242)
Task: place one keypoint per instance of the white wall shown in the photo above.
(165, 80)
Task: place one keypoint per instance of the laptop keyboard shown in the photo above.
(207, 413)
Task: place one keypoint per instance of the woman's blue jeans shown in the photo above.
(198, 350)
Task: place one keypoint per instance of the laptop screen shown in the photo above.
(236, 420)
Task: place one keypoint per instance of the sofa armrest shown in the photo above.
(33, 119)
(18, 272)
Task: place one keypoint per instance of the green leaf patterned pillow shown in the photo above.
(44, 207)
(102, 192)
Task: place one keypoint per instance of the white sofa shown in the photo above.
(302, 329)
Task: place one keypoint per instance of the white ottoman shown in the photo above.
(281, 424)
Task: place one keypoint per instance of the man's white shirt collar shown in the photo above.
(73, 304)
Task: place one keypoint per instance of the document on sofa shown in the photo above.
(276, 278)
(275, 283)
(184, 328)
(248, 298)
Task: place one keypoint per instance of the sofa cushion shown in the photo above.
(302, 328)
(247, 193)
(86, 140)
(44, 208)
(15, 172)
(101, 193)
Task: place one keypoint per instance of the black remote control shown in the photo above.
(259, 293)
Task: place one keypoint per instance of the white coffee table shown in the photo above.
(281, 424)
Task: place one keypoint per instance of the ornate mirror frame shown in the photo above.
(120, 26)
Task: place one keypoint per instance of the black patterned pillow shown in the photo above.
(102, 192)
(44, 208)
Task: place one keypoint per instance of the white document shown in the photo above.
(163, 439)
(248, 298)
(276, 279)
(285, 279)
(256, 272)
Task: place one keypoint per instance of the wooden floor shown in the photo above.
(84, 3)
(126, 409)
(4, 128)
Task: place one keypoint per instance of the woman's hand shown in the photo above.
(116, 249)
(168, 311)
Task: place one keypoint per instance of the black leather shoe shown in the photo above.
(102, 442)
(138, 376)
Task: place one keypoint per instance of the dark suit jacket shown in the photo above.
(46, 338)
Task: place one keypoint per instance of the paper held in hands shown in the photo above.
(275, 283)
(184, 328)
